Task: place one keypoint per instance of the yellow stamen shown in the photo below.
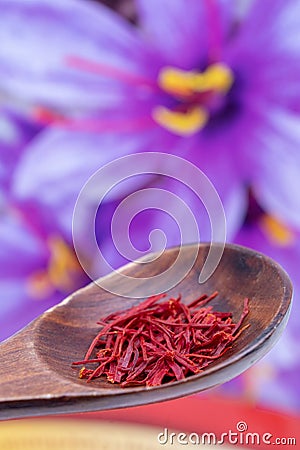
(60, 273)
(217, 77)
(62, 265)
(183, 124)
(176, 82)
(277, 232)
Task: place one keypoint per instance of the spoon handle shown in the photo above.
(14, 370)
(15, 366)
(29, 387)
(24, 379)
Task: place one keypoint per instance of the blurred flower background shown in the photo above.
(83, 82)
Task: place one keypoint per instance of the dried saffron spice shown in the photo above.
(160, 341)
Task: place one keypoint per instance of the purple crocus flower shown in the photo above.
(190, 81)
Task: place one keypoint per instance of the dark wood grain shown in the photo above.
(36, 376)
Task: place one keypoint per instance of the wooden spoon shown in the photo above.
(36, 376)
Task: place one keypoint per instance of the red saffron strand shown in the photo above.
(99, 68)
(160, 340)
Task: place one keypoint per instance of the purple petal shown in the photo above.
(254, 236)
(66, 160)
(174, 210)
(18, 309)
(270, 376)
(276, 166)
(21, 251)
(71, 54)
(217, 152)
(21, 255)
(232, 192)
(15, 133)
(186, 34)
(13, 294)
(265, 53)
(24, 254)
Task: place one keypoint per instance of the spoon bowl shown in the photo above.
(36, 375)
